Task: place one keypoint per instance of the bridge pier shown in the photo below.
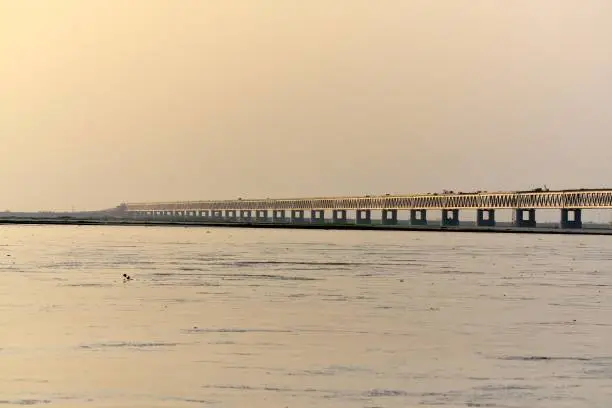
(363, 216)
(297, 215)
(418, 217)
(261, 215)
(317, 216)
(571, 218)
(246, 215)
(278, 215)
(339, 216)
(450, 217)
(485, 217)
(389, 217)
(525, 217)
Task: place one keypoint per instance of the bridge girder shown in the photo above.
(597, 199)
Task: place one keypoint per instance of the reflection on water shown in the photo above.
(265, 318)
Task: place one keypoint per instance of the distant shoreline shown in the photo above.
(326, 226)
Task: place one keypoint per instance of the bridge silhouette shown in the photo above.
(524, 204)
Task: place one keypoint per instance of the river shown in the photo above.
(302, 318)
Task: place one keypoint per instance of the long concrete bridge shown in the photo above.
(524, 204)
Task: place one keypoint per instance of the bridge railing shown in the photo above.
(548, 199)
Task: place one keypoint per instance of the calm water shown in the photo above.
(264, 318)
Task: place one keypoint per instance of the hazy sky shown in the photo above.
(137, 100)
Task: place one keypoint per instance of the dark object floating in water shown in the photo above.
(126, 277)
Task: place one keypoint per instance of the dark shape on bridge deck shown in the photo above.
(485, 217)
(317, 216)
(418, 217)
(363, 216)
(525, 217)
(339, 216)
(571, 218)
(389, 217)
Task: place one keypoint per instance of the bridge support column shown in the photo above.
(261, 215)
(485, 217)
(339, 216)
(245, 215)
(363, 216)
(418, 217)
(571, 218)
(389, 217)
(297, 215)
(524, 217)
(450, 217)
(317, 216)
(278, 215)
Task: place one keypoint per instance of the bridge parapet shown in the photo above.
(567, 199)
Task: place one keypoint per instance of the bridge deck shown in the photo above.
(584, 198)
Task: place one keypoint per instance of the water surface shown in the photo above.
(279, 318)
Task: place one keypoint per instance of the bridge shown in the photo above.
(524, 204)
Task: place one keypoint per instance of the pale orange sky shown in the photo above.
(112, 100)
